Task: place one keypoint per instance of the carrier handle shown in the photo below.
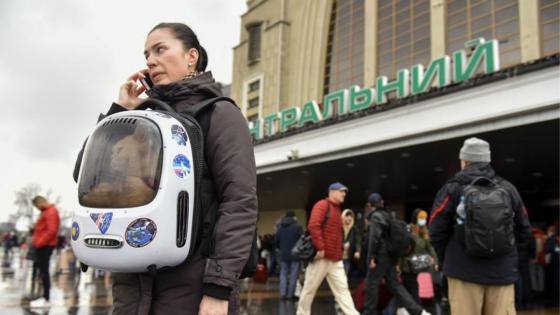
(155, 104)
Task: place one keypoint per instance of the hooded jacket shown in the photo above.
(446, 237)
(287, 235)
(229, 186)
(351, 236)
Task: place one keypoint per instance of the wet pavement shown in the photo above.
(76, 293)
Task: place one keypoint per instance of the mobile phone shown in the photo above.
(147, 82)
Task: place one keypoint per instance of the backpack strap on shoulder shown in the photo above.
(196, 109)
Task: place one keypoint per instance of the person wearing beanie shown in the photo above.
(478, 283)
(381, 264)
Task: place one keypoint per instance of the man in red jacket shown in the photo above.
(325, 227)
(44, 241)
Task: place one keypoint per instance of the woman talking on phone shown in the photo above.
(176, 64)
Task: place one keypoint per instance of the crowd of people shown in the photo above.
(443, 268)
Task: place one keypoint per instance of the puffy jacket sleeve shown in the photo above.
(48, 230)
(231, 159)
(314, 226)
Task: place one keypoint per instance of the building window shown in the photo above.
(254, 86)
(345, 46)
(254, 31)
(254, 102)
(491, 19)
(253, 118)
(403, 35)
(550, 26)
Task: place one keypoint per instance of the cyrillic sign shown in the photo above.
(407, 82)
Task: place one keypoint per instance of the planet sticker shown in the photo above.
(179, 135)
(181, 165)
(75, 231)
(141, 232)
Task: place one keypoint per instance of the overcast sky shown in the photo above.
(61, 64)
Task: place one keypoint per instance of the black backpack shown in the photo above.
(489, 226)
(398, 239)
(196, 119)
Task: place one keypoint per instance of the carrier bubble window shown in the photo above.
(122, 166)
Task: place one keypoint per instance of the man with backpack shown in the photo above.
(477, 223)
(325, 228)
(388, 240)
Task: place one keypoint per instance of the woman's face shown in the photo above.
(348, 220)
(166, 57)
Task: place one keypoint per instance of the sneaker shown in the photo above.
(41, 302)
(402, 311)
(425, 313)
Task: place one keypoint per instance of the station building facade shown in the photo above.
(380, 94)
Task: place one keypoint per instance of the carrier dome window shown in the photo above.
(122, 166)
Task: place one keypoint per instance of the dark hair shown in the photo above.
(186, 35)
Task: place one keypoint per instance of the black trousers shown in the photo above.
(43, 257)
(386, 268)
(410, 282)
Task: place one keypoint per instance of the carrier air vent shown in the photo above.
(182, 215)
(129, 121)
(102, 242)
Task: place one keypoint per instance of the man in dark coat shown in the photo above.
(381, 265)
(287, 235)
(477, 285)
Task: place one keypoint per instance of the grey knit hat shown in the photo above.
(475, 150)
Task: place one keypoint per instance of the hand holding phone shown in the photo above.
(147, 81)
(129, 93)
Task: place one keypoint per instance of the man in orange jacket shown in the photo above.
(44, 241)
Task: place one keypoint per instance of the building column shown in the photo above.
(437, 26)
(529, 30)
(370, 42)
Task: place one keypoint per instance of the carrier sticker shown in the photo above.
(181, 165)
(102, 220)
(140, 232)
(75, 231)
(179, 135)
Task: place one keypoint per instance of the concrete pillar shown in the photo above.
(529, 30)
(437, 21)
(370, 42)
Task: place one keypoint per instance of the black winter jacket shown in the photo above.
(446, 236)
(287, 235)
(229, 187)
(377, 232)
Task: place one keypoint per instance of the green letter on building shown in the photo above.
(401, 85)
(488, 51)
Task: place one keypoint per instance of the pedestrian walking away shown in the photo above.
(477, 222)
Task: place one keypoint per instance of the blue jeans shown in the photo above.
(289, 271)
